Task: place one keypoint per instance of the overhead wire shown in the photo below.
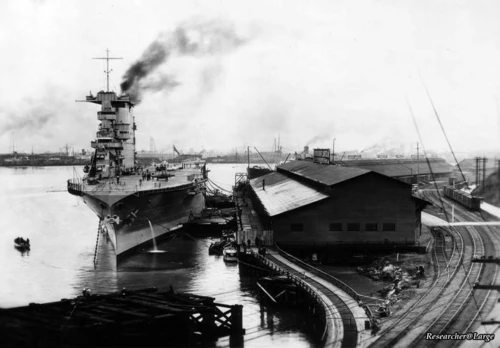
(442, 129)
(439, 194)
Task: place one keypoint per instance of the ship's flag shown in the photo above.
(176, 150)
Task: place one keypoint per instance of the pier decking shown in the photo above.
(142, 318)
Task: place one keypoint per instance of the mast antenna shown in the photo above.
(107, 71)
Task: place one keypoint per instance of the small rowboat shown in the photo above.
(22, 244)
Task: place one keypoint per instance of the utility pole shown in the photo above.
(484, 173)
(333, 151)
(477, 170)
(279, 150)
(248, 153)
(418, 162)
(107, 71)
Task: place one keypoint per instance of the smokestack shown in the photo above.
(264, 184)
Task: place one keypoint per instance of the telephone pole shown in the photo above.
(418, 162)
(477, 170)
(333, 151)
(484, 173)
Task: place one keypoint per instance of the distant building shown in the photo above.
(406, 170)
(184, 157)
(473, 171)
(312, 204)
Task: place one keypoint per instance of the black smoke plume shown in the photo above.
(319, 138)
(154, 55)
(194, 38)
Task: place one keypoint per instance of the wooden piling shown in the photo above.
(237, 320)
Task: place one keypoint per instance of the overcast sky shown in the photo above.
(246, 72)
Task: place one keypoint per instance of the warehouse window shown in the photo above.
(389, 226)
(353, 226)
(336, 226)
(296, 227)
(371, 226)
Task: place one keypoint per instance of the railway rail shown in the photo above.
(465, 300)
(459, 293)
(445, 270)
(438, 310)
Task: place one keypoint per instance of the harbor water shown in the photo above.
(62, 230)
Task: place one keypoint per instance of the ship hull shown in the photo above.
(135, 220)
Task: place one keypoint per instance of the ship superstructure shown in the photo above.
(134, 203)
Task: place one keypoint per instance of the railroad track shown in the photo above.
(450, 320)
(409, 324)
(456, 298)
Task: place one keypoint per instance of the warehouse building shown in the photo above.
(407, 170)
(309, 204)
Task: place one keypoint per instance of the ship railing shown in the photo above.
(132, 187)
(104, 134)
(75, 187)
(385, 242)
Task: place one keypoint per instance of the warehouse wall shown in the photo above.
(369, 199)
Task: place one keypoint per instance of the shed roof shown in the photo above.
(322, 173)
(396, 168)
(282, 194)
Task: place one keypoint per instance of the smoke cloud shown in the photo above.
(35, 116)
(45, 122)
(194, 38)
(320, 138)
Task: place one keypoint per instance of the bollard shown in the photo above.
(237, 320)
(208, 326)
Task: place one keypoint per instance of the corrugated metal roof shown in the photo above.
(395, 169)
(469, 164)
(282, 194)
(322, 173)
